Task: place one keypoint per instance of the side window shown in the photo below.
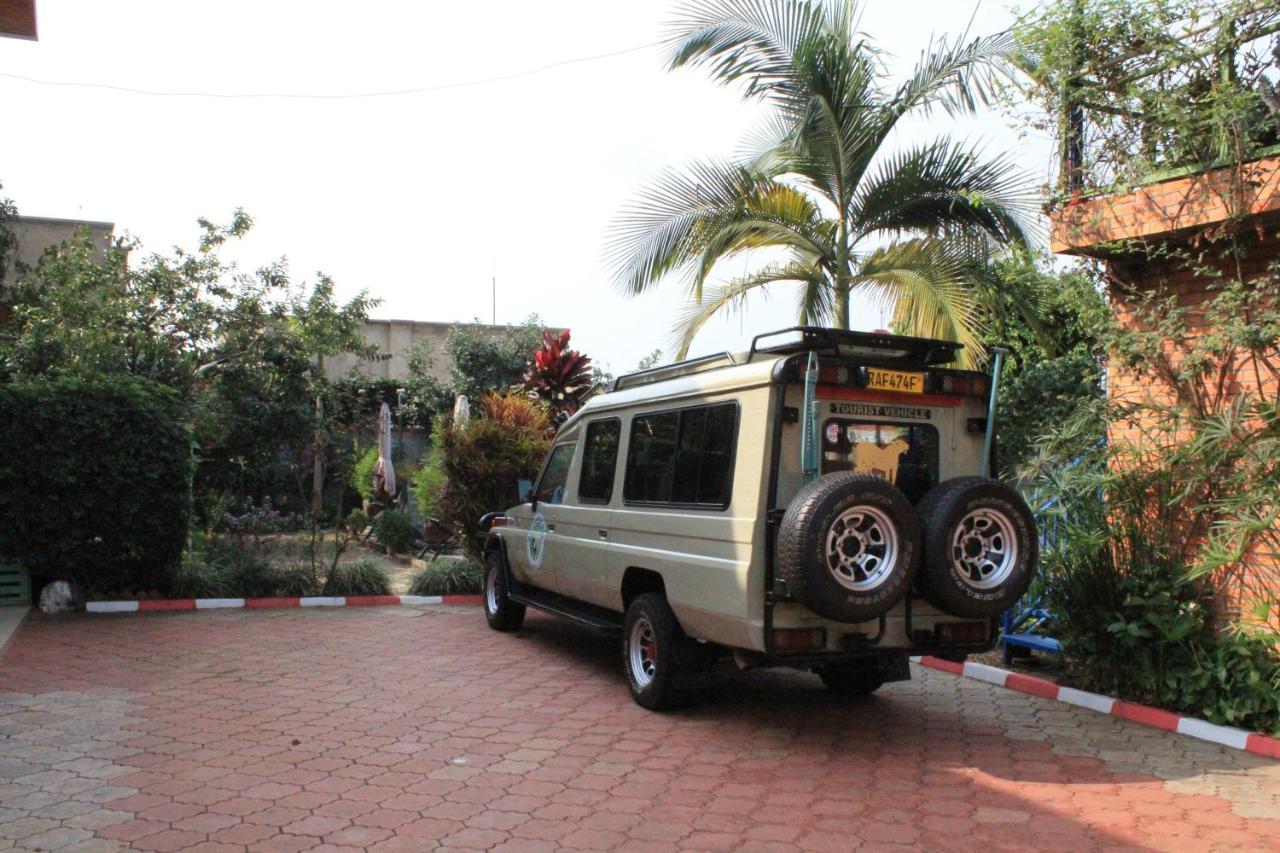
(651, 457)
(683, 457)
(555, 474)
(599, 461)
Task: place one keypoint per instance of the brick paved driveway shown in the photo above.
(401, 729)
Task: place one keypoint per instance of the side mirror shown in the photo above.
(525, 490)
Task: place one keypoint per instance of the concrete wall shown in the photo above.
(397, 337)
(35, 234)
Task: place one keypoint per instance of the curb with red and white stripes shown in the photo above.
(1167, 720)
(169, 604)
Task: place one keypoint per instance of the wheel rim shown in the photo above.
(862, 548)
(642, 651)
(984, 549)
(491, 590)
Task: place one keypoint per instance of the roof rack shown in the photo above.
(671, 371)
(842, 342)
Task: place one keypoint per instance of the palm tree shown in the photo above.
(819, 202)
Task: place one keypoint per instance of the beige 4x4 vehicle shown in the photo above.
(821, 503)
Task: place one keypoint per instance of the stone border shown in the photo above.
(1160, 719)
(171, 604)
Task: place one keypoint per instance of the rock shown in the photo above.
(61, 597)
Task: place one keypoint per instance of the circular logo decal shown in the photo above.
(535, 540)
(833, 433)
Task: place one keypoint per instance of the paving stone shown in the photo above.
(295, 730)
(55, 839)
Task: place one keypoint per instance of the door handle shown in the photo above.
(604, 534)
(550, 527)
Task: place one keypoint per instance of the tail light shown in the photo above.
(799, 639)
(830, 374)
(960, 384)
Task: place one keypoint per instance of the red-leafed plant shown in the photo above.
(558, 376)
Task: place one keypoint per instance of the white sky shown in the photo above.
(415, 198)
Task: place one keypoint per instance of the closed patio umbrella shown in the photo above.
(384, 473)
(461, 409)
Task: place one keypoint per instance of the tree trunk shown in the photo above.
(317, 468)
(842, 306)
(317, 453)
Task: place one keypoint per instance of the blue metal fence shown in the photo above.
(1023, 626)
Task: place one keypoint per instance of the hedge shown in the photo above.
(95, 481)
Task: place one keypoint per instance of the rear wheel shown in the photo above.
(851, 680)
(502, 613)
(980, 546)
(651, 643)
(848, 546)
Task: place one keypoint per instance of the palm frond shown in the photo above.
(774, 215)
(944, 185)
(744, 40)
(658, 232)
(958, 76)
(923, 283)
(732, 294)
(692, 220)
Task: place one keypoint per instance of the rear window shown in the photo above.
(904, 454)
(683, 457)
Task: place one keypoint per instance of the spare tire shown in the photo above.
(980, 546)
(848, 546)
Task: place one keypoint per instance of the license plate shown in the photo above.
(895, 380)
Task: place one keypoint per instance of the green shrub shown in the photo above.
(95, 481)
(428, 483)
(448, 577)
(1134, 619)
(393, 529)
(357, 521)
(196, 578)
(361, 577)
(362, 475)
(296, 582)
(236, 577)
(486, 457)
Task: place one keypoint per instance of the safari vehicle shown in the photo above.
(820, 502)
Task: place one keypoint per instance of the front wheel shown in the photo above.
(651, 641)
(500, 611)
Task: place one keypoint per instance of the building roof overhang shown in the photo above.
(1171, 209)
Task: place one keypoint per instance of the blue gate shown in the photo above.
(1022, 624)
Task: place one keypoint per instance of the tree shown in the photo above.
(327, 329)
(1132, 87)
(243, 351)
(1050, 322)
(650, 361)
(823, 204)
(480, 361)
(7, 212)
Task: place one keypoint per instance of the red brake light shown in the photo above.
(833, 375)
